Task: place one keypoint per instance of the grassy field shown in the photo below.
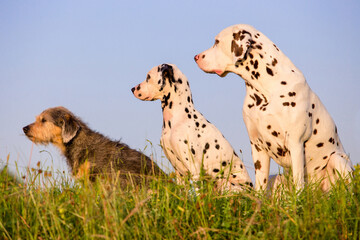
(41, 207)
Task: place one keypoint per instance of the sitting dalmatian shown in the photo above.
(284, 118)
(189, 141)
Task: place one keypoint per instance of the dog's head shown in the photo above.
(159, 82)
(231, 47)
(54, 125)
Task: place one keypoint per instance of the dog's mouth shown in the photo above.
(36, 140)
(28, 135)
(220, 73)
(223, 74)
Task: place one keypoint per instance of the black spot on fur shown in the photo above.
(257, 165)
(223, 163)
(315, 131)
(256, 64)
(283, 83)
(274, 62)
(235, 154)
(324, 167)
(217, 146)
(269, 71)
(236, 49)
(320, 145)
(258, 99)
(276, 47)
(216, 170)
(274, 133)
(165, 101)
(281, 151)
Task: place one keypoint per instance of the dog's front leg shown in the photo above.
(296, 150)
(262, 167)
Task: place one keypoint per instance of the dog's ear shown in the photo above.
(167, 72)
(240, 44)
(70, 127)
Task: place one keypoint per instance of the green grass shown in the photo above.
(39, 209)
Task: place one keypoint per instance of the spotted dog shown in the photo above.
(284, 118)
(189, 141)
(88, 153)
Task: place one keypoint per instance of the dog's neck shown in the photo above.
(73, 157)
(58, 142)
(177, 106)
(261, 71)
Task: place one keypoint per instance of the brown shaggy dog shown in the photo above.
(88, 152)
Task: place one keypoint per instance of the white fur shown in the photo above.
(189, 141)
(285, 119)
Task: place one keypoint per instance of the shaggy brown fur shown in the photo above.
(88, 152)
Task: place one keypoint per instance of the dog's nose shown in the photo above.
(133, 89)
(26, 129)
(196, 57)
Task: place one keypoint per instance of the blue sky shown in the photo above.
(87, 55)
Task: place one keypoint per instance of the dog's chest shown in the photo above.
(265, 131)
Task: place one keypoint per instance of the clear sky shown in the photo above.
(87, 55)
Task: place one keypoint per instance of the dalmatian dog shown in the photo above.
(285, 119)
(190, 142)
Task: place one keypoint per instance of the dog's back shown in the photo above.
(106, 156)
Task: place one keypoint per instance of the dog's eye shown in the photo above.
(43, 120)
